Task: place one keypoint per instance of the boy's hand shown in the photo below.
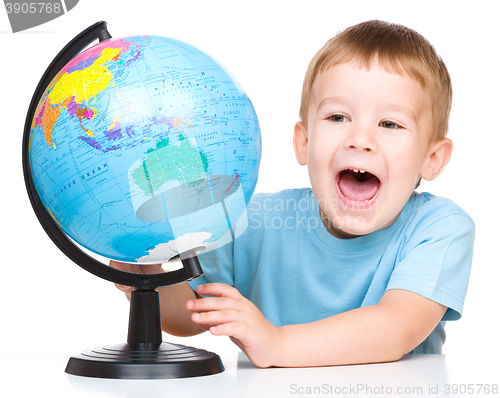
(136, 268)
(231, 314)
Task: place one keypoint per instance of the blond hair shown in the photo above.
(399, 50)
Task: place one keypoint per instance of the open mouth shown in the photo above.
(358, 185)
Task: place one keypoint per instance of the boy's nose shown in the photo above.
(362, 140)
(367, 148)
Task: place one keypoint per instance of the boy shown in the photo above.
(360, 269)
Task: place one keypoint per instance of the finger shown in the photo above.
(215, 317)
(137, 268)
(219, 289)
(236, 330)
(117, 265)
(213, 304)
(123, 288)
(127, 267)
(150, 268)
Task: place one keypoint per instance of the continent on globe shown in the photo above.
(184, 163)
(76, 84)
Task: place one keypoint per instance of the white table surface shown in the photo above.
(42, 374)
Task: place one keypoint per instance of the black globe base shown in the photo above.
(145, 355)
(144, 361)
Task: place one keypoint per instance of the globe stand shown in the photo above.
(144, 355)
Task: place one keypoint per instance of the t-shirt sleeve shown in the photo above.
(437, 263)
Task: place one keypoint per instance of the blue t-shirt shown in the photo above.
(295, 271)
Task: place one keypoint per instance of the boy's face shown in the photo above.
(372, 121)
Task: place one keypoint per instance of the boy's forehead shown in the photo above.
(374, 65)
(345, 82)
(392, 66)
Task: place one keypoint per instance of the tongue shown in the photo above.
(356, 190)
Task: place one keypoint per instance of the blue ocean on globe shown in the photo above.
(143, 148)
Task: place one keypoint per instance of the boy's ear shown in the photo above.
(437, 158)
(300, 143)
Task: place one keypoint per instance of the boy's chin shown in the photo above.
(348, 231)
(346, 226)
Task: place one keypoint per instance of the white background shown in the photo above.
(47, 302)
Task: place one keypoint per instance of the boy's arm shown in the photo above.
(379, 333)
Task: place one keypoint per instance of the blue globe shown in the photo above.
(143, 148)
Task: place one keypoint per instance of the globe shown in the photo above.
(144, 148)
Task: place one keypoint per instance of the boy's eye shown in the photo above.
(389, 125)
(338, 118)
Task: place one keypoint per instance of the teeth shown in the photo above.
(358, 171)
